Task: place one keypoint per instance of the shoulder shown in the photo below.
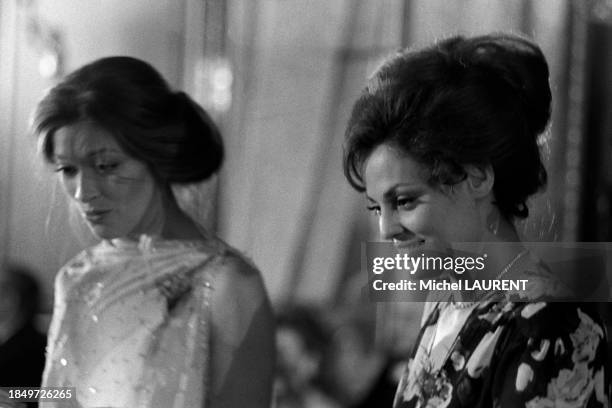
(222, 268)
(541, 319)
(238, 293)
(556, 356)
(548, 320)
(536, 321)
(79, 261)
(74, 268)
(87, 258)
(233, 271)
(558, 334)
(581, 278)
(542, 282)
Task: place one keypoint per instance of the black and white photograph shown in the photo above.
(306, 203)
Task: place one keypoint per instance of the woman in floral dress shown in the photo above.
(444, 143)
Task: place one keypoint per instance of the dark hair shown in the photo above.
(166, 130)
(463, 101)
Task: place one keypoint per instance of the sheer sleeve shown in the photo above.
(59, 310)
(554, 356)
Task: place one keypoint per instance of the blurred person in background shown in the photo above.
(444, 143)
(359, 372)
(302, 339)
(160, 313)
(22, 345)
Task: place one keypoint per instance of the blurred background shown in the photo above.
(279, 76)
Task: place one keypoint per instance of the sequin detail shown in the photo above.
(132, 327)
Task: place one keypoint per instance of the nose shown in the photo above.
(389, 225)
(86, 188)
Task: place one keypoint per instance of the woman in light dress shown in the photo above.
(160, 313)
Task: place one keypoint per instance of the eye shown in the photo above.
(374, 209)
(405, 203)
(106, 167)
(66, 170)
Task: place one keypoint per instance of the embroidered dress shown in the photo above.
(500, 353)
(131, 324)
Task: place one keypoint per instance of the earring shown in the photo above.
(493, 222)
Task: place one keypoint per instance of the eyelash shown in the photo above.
(66, 170)
(374, 209)
(106, 167)
(400, 202)
(404, 201)
(101, 167)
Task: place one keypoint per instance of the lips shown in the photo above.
(408, 244)
(95, 215)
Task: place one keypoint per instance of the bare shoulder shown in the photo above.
(243, 344)
(236, 273)
(239, 296)
(236, 263)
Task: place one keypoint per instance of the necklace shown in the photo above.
(430, 378)
(511, 263)
(461, 304)
(465, 305)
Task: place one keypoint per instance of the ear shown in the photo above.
(480, 180)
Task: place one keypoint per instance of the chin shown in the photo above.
(105, 232)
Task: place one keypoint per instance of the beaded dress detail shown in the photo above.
(131, 324)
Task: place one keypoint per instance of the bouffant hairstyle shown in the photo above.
(166, 130)
(463, 101)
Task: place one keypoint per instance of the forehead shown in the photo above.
(387, 167)
(83, 139)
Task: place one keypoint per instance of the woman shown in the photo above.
(443, 141)
(160, 313)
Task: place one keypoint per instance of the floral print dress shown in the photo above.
(498, 353)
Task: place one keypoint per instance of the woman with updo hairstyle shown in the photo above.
(159, 313)
(444, 142)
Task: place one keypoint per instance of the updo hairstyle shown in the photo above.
(463, 101)
(166, 130)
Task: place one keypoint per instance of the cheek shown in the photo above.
(68, 185)
(422, 220)
(129, 189)
(144, 193)
(136, 197)
(440, 221)
(462, 224)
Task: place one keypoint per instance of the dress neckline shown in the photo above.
(151, 243)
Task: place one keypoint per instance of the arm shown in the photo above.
(242, 350)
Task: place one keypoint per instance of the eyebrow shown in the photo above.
(90, 154)
(391, 193)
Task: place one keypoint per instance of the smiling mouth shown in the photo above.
(410, 245)
(95, 215)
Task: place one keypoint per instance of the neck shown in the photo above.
(501, 243)
(179, 225)
(165, 220)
